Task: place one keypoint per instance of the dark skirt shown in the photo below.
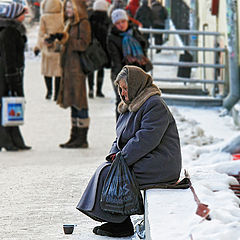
(89, 203)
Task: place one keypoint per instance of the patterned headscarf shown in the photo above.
(140, 88)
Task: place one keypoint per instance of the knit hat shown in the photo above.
(119, 14)
(100, 5)
(12, 10)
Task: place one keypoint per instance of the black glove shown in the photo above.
(58, 36)
(50, 39)
(36, 52)
(15, 84)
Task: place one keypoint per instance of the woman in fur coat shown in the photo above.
(75, 38)
(12, 45)
(50, 23)
(147, 139)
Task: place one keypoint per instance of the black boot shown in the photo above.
(73, 136)
(48, 82)
(57, 83)
(90, 85)
(99, 87)
(123, 229)
(17, 138)
(80, 141)
(6, 140)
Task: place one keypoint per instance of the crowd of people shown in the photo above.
(65, 29)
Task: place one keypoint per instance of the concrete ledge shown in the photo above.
(164, 211)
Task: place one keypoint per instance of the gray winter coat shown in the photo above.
(147, 136)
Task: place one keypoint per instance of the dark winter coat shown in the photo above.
(77, 36)
(159, 13)
(147, 134)
(99, 25)
(144, 15)
(114, 43)
(12, 44)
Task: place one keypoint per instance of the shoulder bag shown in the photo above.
(94, 57)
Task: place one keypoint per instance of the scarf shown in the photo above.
(132, 50)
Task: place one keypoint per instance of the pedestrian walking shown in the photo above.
(144, 16)
(126, 45)
(146, 138)
(160, 15)
(50, 23)
(99, 24)
(75, 38)
(116, 4)
(12, 44)
(132, 7)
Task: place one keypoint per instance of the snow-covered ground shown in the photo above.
(204, 132)
(203, 135)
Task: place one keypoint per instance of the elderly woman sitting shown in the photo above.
(147, 138)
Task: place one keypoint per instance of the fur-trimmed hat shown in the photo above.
(13, 10)
(119, 14)
(100, 5)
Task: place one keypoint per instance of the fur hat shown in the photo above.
(13, 10)
(119, 14)
(100, 5)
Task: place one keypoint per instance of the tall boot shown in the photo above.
(82, 130)
(73, 135)
(100, 83)
(48, 82)
(80, 141)
(90, 85)
(57, 83)
(17, 138)
(6, 140)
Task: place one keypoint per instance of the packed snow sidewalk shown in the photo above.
(40, 188)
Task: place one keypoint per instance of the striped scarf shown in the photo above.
(131, 47)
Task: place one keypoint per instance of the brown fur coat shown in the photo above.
(77, 36)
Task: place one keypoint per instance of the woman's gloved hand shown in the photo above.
(15, 85)
(36, 51)
(57, 36)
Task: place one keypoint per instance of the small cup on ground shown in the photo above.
(68, 228)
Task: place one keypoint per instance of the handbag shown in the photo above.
(120, 192)
(94, 57)
(13, 111)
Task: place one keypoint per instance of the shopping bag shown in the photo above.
(13, 111)
(120, 193)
